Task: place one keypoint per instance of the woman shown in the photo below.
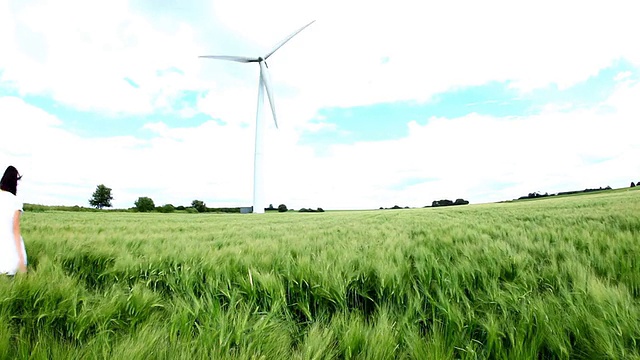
(13, 257)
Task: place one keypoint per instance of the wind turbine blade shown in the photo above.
(242, 59)
(266, 81)
(285, 40)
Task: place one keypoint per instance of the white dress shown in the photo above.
(9, 259)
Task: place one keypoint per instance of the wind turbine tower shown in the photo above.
(264, 84)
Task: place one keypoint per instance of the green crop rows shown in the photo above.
(555, 278)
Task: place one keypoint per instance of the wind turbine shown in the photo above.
(263, 84)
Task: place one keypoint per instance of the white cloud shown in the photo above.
(320, 125)
(176, 165)
(464, 157)
(622, 75)
(471, 157)
(357, 53)
(84, 51)
(433, 46)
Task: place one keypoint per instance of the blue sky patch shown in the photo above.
(187, 99)
(376, 122)
(132, 83)
(387, 121)
(411, 182)
(92, 125)
(169, 71)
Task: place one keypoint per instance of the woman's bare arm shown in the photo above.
(22, 267)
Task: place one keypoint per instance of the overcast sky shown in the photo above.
(379, 103)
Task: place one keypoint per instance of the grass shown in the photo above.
(551, 279)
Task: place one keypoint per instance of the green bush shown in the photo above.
(311, 210)
(34, 208)
(44, 208)
(167, 208)
(144, 204)
(199, 205)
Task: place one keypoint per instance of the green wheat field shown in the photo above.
(556, 278)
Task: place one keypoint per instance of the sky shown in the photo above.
(379, 103)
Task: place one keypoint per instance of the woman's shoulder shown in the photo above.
(9, 198)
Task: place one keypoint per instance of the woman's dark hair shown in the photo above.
(10, 179)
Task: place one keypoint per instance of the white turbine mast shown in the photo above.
(263, 84)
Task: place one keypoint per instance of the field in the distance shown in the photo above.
(555, 278)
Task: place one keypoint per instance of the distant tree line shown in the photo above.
(394, 207)
(101, 198)
(283, 208)
(535, 195)
(311, 210)
(449, 202)
(146, 204)
(280, 208)
(75, 208)
(435, 203)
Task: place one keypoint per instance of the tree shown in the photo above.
(144, 204)
(167, 208)
(199, 205)
(444, 202)
(101, 197)
(282, 208)
(633, 185)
